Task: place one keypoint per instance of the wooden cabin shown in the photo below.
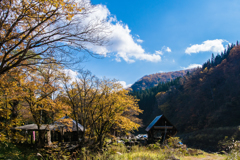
(64, 129)
(52, 130)
(160, 128)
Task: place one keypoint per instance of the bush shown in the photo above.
(154, 146)
(11, 151)
(174, 142)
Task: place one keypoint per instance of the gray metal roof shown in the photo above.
(153, 122)
(56, 125)
(34, 127)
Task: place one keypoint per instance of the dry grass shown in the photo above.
(151, 152)
(205, 157)
(145, 153)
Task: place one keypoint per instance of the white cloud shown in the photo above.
(173, 61)
(191, 66)
(73, 75)
(166, 49)
(121, 42)
(159, 52)
(226, 46)
(123, 45)
(124, 84)
(98, 23)
(139, 40)
(214, 46)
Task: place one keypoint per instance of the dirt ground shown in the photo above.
(205, 157)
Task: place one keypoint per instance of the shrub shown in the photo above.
(154, 146)
(173, 142)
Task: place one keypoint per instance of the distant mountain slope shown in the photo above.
(208, 98)
(204, 106)
(152, 80)
(177, 98)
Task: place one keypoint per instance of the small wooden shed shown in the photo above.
(160, 128)
(62, 129)
(31, 129)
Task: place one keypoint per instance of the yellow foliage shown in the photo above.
(24, 93)
(102, 108)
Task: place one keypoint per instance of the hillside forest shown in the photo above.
(208, 98)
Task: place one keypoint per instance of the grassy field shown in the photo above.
(161, 155)
(121, 152)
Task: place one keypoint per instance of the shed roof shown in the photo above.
(153, 122)
(34, 127)
(56, 125)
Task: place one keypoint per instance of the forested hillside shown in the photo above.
(152, 80)
(208, 97)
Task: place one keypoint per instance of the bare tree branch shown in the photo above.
(51, 31)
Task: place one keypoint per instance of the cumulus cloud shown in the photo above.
(124, 46)
(124, 84)
(121, 43)
(191, 66)
(215, 46)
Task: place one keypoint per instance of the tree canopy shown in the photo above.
(51, 29)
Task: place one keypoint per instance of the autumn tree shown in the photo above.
(48, 28)
(81, 94)
(39, 85)
(115, 110)
(100, 106)
(10, 99)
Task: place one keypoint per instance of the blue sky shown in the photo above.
(161, 36)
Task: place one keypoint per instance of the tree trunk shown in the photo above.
(14, 115)
(14, 110)
(40, 137)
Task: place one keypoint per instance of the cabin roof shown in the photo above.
(55, 126)
(34, 127)
(153, 123)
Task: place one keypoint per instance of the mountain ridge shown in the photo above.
(152, 80)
